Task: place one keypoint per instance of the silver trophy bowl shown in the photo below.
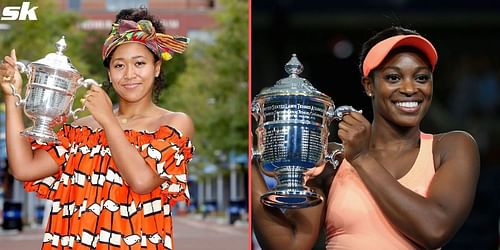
(292, 132)
(50, 91)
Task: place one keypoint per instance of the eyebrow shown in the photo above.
(134, 57)
(417, 68)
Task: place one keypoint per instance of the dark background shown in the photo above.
(466, 35)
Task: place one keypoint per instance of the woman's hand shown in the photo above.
(9, 74)
(354, 131)
(99, 105)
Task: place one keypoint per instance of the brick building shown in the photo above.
(181, 17)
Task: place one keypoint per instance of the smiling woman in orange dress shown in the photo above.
(117, 173)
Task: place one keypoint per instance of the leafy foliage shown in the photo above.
(213, 89)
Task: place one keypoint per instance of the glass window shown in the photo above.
(74, 5)
(201, 35)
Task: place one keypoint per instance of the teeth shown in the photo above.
(407, 104)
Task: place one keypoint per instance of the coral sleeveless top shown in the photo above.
(94, 208)
(353, 218)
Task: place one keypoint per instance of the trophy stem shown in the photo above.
(41, 130)
(291, 192)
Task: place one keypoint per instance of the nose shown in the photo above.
(129, 73)
(408, 87)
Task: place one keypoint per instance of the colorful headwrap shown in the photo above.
(143, 32)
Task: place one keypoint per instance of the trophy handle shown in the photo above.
(20, 100)
(87, 82)
(331, 157)
(72, 113)
(256, 154)
(82, 83)
(338, 148)
(257, 111)
(257, 114)
(339, 112)
(258, 148)
(22, 69)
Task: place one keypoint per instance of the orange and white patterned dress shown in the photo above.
(93, 207)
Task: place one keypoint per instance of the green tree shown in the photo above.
(213, 89)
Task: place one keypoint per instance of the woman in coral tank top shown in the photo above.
(117, 173)
(397, 187)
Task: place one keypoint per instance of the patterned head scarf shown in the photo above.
(162, 45)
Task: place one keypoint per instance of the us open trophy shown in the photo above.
(50, 91)
(292, 136)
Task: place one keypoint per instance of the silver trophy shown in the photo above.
(51, 88)
(292, 132)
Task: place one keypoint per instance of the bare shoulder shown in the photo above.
(180, 121)
(456, 139)
(456, 144)
(87, 121)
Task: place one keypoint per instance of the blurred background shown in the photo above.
(327, 38)
(208, 82)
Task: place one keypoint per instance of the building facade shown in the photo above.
(180, 17)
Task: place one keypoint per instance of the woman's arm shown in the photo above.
(135, 171)
(141, 178)
(433, 220)
(24, 163)
(429, 221)
(294, 229)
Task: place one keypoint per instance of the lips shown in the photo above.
(408, 106)
(130, 85)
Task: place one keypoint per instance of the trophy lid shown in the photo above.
(58, 60)
(293, 84)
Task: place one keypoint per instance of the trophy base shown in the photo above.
(41, 137)
(286, 198)
(42, 130)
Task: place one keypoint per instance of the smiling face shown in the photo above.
(132, 71)
(401, 89)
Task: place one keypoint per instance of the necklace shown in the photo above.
(125, 120)
(122, 120)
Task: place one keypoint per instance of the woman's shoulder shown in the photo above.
(178, 120)
(86, 121)
(452, 138)
(455, 144)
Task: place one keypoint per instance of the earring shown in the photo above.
(369, 94)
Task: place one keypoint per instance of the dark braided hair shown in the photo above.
(137, 14)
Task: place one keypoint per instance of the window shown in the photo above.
(74, 5)
(201, 35)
